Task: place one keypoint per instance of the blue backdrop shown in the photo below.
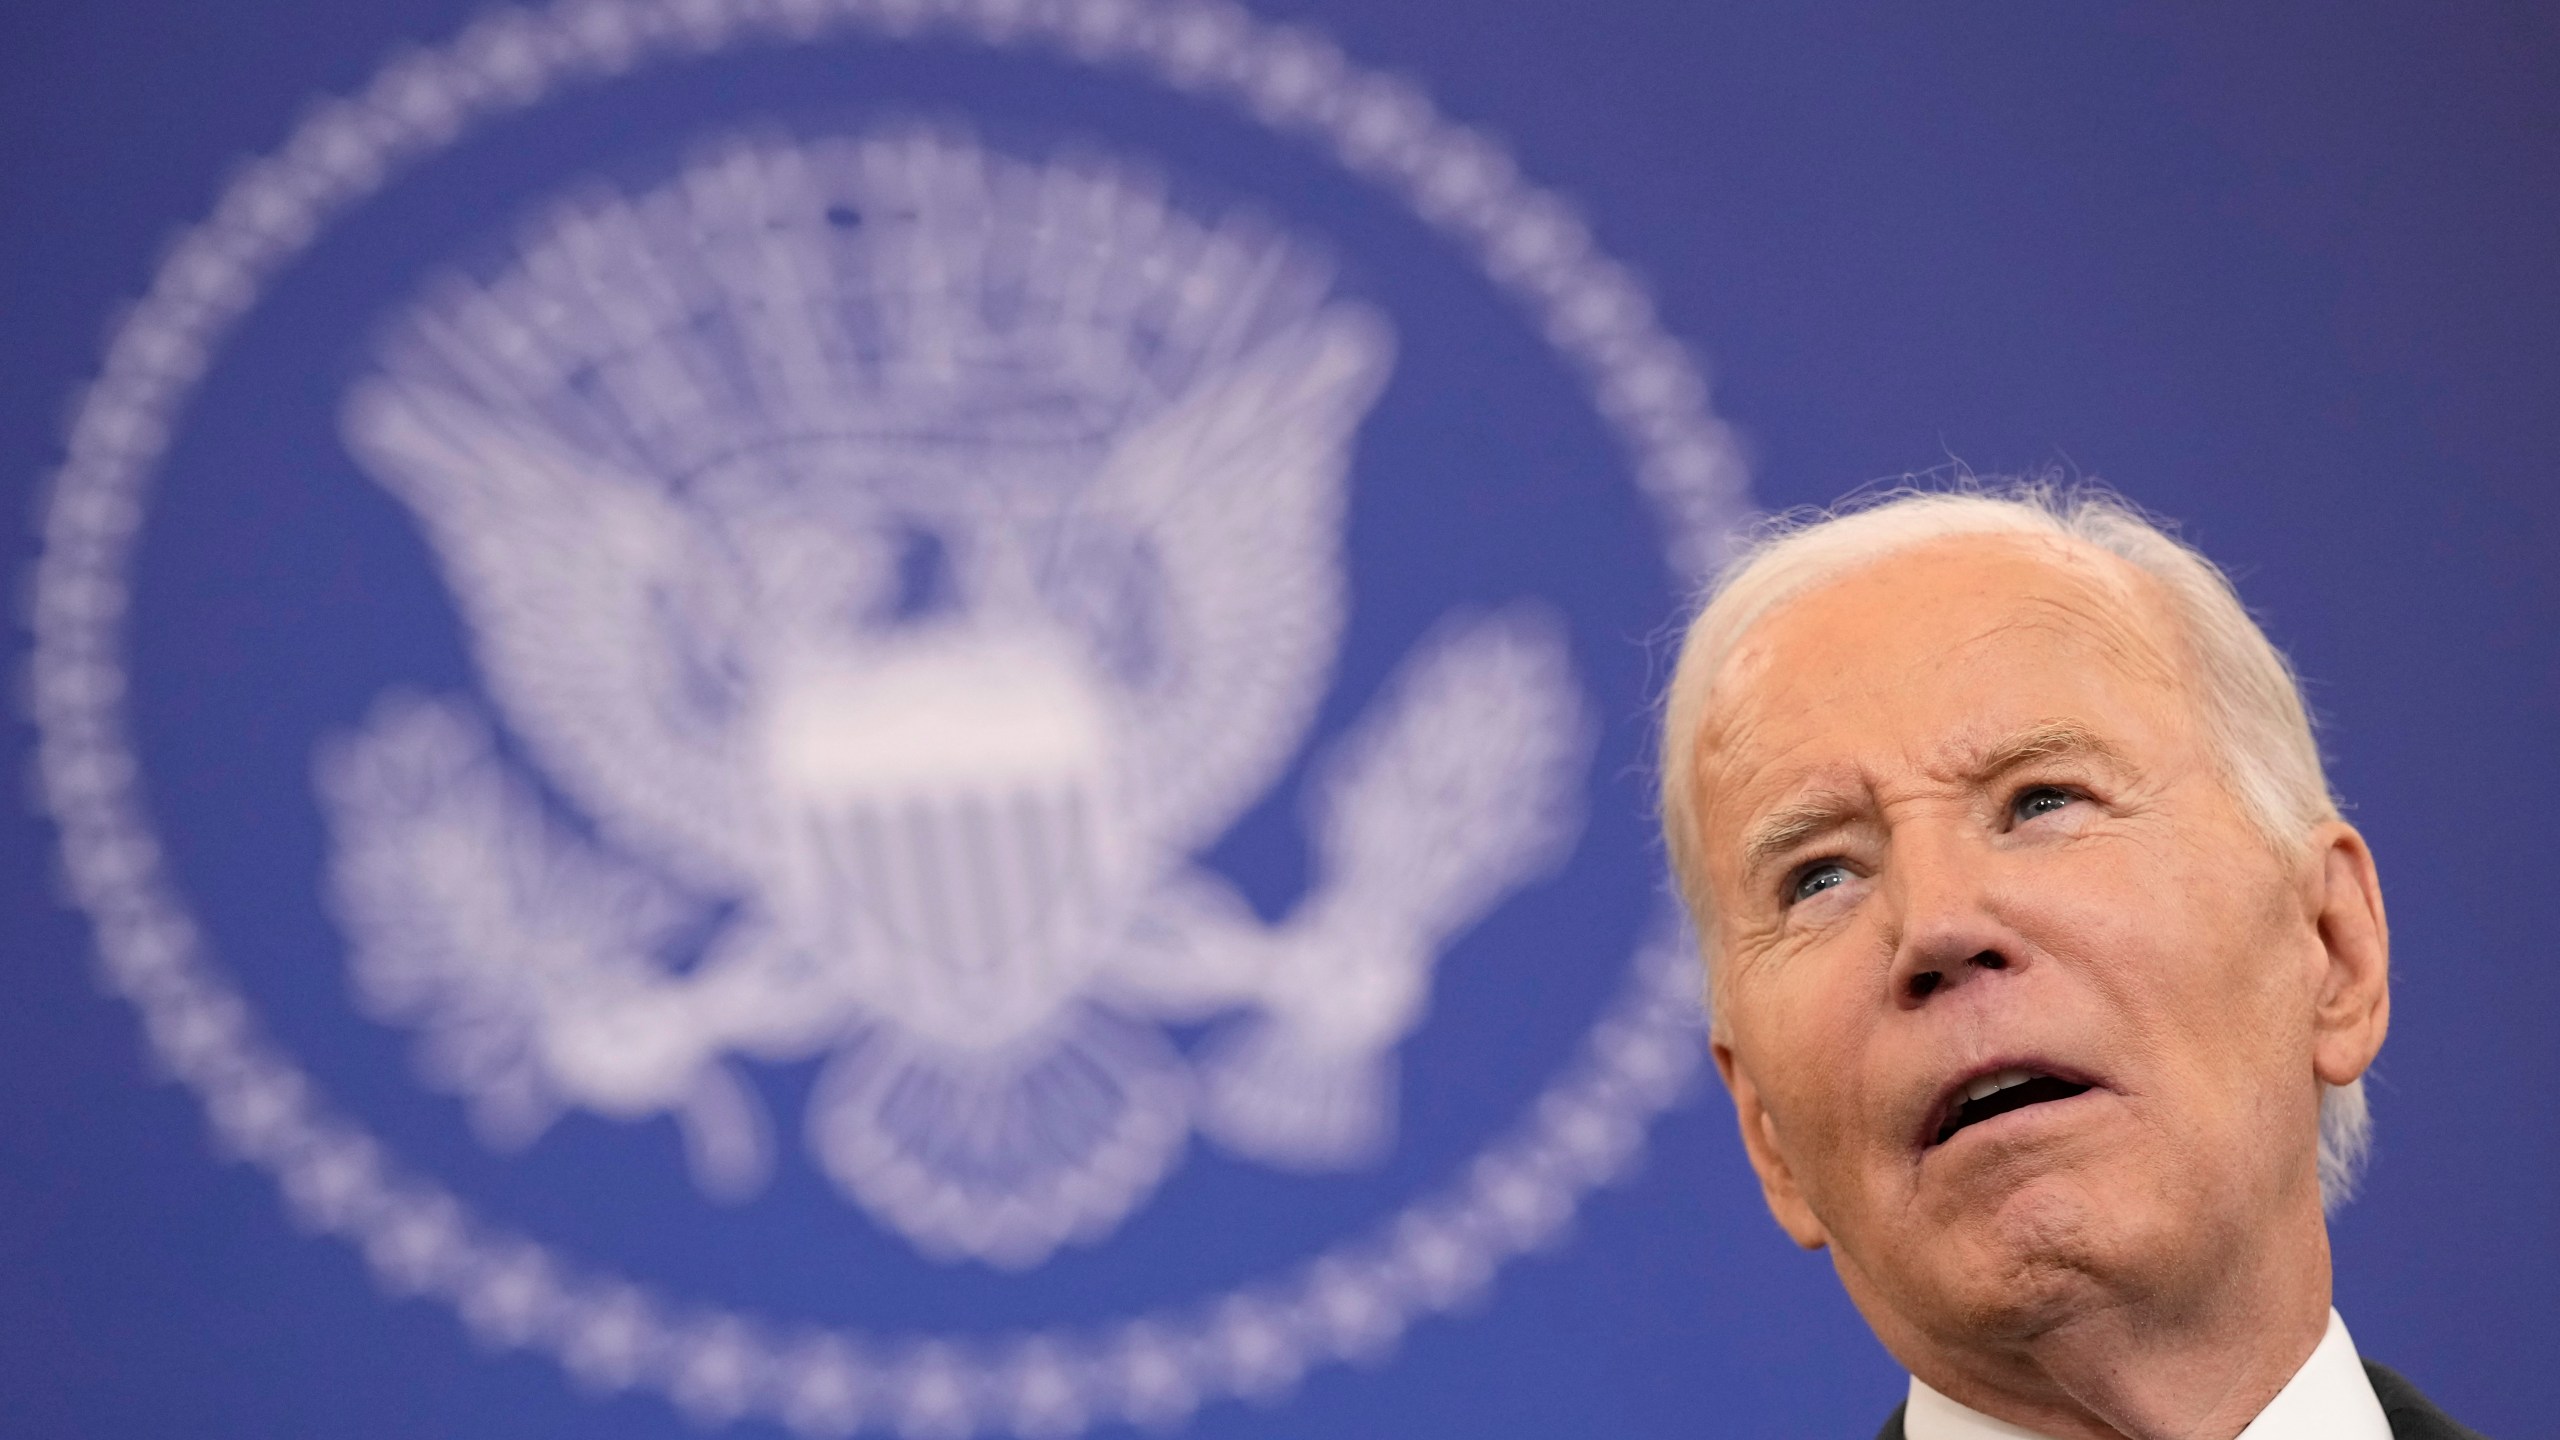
(1497, 316)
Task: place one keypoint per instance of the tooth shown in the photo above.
(1982, 1088)
(2007, 1078)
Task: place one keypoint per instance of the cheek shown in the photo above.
(2189, 950)
(2259, 989)
(1812, 1027)
(2110, 908)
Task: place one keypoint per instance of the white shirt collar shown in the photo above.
(2329, 1398)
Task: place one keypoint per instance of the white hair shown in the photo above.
(2250, 700)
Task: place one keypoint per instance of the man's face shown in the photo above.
(1962, 825)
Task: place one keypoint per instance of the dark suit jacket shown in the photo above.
(2412, 1417)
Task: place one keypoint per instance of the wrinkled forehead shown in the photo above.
(1935, 644)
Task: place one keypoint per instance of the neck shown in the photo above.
(2157, 1362)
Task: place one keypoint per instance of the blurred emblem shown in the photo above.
(900, 573)
(901, 559)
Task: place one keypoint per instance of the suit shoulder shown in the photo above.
(2412, 1415)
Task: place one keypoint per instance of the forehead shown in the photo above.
(1924, 653)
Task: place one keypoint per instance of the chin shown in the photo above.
(2046, 1252)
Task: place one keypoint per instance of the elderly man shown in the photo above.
(2043, 972)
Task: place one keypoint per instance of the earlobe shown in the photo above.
(1768, 1159)
(2354, 1008)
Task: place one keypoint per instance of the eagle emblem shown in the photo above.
(890, 564)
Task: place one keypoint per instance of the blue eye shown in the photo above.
(1813, 879)
(2039, 800)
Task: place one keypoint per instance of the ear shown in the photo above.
(2354, 1007)
(1760, 1142)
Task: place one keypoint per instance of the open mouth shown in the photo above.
(1999, 1093)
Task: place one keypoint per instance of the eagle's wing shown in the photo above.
(608, 633)
(529, 960)
(1237, 491)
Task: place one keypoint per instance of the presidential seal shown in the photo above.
(916, 555)
(906, 759)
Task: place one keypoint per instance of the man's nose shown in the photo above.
(1946, 930)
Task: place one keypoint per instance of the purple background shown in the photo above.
(2284, 274)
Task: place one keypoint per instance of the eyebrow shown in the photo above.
(1800, 820)
(1795, 822)
(2050, 740)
